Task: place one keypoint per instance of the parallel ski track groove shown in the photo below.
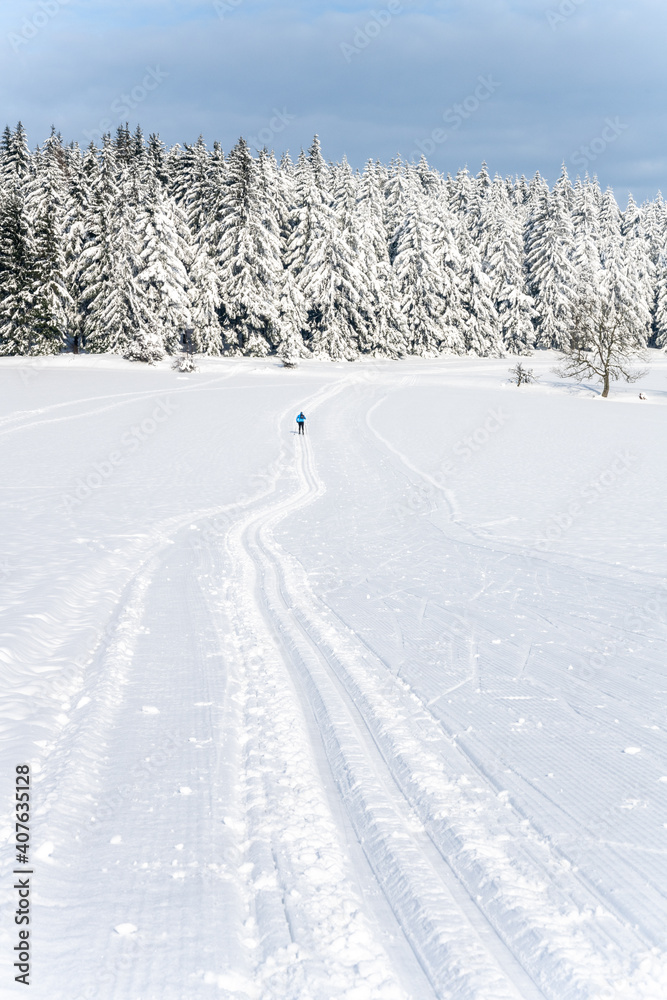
(309, 491)
(439, 963)
(648, 939)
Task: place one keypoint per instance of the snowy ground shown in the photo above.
(375, 714)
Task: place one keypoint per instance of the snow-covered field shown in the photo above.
(377, 713)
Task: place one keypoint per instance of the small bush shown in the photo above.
(147, 349)
(186, 363)
(522, 376)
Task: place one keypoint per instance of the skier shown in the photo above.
(301, 422)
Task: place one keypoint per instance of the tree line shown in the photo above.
(125, 247)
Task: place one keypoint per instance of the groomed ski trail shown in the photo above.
(526, 923)
(459, 952)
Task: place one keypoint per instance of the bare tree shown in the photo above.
(603, 345)
(522, 376)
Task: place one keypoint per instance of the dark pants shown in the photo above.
(302, 426)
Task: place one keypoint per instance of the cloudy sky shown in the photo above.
(522, 84)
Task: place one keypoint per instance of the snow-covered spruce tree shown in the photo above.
(344, 196)
(654, 227)
(609, 223)
(248, 254)
(197, 183)
(115, 312)
(147, 346)
(386, 332)
(387, 335)
(462, 192)
(562, 189)
(481, 328)
(297, 229)
(277, 182)
(421, 285)
(478, 212)
(292, 318)
(19, 329)
(621, 273)
(398, 193)
(292, 311)
(447, 231)
(506, 271)
(626, 270)
(551, 275)
(362, 261)
(285, 200)
(660, 320)
(193, 185)
(19, 332)
(323, 252)
(311, 204)
(156, 160)
(204, 291)
(47, 205)
(164, 251)
(15, 157)
(586, 260)
(407, 254)
(319, 168)
(83, 175)
(638, 252)
(331, 280)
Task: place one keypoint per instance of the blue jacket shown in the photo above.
(301, 419)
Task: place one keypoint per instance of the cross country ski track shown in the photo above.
(423, 835)
(339, 840)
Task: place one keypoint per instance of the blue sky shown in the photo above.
(523, 85)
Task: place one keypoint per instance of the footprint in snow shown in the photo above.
(184, 790)
(632, 750)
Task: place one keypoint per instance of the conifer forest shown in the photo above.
(133, 248)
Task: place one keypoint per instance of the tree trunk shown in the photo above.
(605, 390)
(75, 345)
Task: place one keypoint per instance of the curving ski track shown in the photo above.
(344, 843)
